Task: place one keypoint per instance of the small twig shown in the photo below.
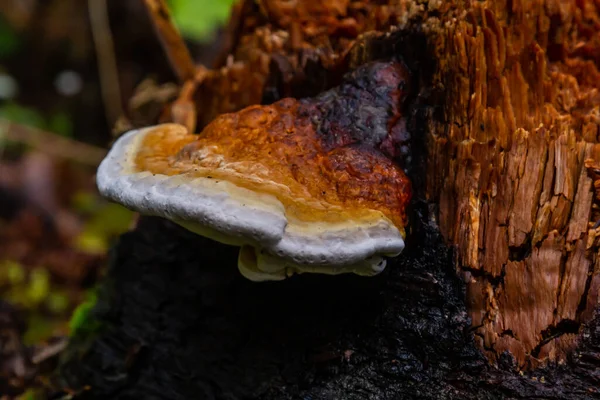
(50, 143)
(171, 40)
(107, 64)
(49, 351)
(231, 32)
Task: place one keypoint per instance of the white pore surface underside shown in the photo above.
(234, 215)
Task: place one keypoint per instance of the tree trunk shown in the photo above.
(504, 113)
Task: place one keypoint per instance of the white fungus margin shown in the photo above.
(255, 221)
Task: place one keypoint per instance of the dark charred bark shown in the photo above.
(179, 322)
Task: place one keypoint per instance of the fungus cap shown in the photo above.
(275, 242)
(291, 183)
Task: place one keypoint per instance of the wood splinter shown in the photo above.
(177, 52)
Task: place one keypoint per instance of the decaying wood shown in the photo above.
(521, 117)
(519, 84)
(506, 115)
(285, 50)
(173, 43)
(183, 109)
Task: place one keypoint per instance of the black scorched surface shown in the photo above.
(179, 322)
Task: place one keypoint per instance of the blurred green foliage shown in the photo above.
(40, 328)
(22, 115)
(46, 304)
(31, 394)
(58, 122)
(105, 221)
(12, 273)
(197, 19)
(28, 289)
(39, 286)
(32, 290)
(9, 40)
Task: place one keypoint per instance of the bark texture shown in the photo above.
(507, 167)
(504, 131)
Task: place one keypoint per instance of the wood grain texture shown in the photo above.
(515, 197)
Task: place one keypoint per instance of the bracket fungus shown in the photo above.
(305, 185)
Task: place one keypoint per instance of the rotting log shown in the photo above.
(505, 120)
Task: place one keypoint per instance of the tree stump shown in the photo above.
(495, 296)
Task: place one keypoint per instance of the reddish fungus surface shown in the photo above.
(327, 157)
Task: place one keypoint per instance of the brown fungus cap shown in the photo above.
(302, 185)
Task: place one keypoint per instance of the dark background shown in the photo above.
(67, 74)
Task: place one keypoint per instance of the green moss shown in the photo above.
(83, 321)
